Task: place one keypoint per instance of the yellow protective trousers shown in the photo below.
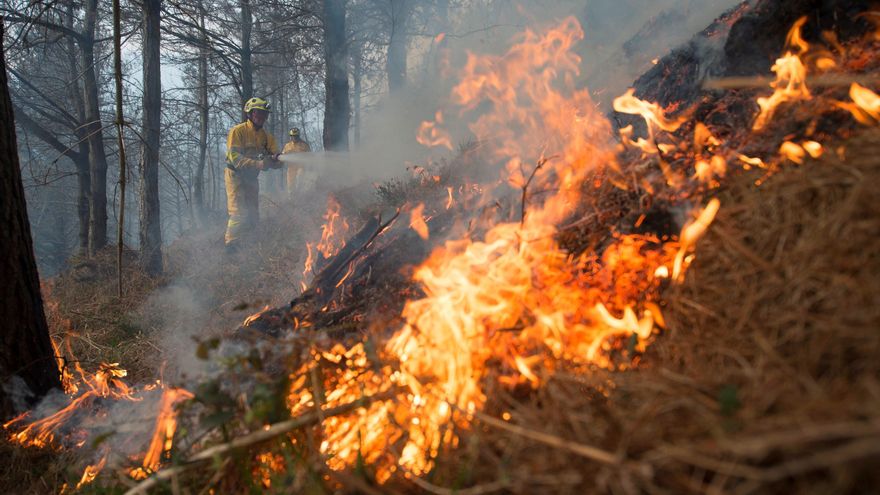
(242, 203)
(293, 170)
(243, 146)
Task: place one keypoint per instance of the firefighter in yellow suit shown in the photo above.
(249, 149)
(295, 145)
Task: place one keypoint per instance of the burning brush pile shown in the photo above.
(687, 307)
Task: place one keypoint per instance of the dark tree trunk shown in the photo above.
(336, 106)
(247, 74)
(302, 105)
(25, 349)
(93, 127)
(83, 174)
(150, 223)
(199, 191)
(396, 56)
(120, 135)
(357, 64)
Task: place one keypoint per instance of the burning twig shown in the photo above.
(256, 437)
(328, 276)
(525, 188)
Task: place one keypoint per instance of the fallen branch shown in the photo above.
(495, 486)
(256, 437)
(592, 453)
(852, 451)
(328, 278)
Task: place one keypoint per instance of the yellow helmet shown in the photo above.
(256, 104)
(294, 132)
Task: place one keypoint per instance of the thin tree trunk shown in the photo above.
(97, 157)
(150, 234)
(83, 174)
(302, 105)
(396, 57)
(26, 355)
(336, 105)
(199, 192)
(120, 122)
(247, 75)
(357, 64)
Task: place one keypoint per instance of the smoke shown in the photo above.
(213, 293)
(622, 38)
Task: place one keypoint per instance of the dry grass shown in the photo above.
(766, 380)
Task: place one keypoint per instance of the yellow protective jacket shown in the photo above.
(298, 146)
(244, 145)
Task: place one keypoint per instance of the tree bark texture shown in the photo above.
(150, 234)
(396, 57)
(247, 71)
(25, 349)
(97, 157)
(83, 172)
(357, 64)
(336, 105)
(120, 136)
(199, 189)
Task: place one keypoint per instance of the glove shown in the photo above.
(274, 163)
(270, 163)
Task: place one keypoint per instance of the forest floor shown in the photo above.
(153, 330)
(765, 379)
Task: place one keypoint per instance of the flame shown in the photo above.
(655, 119)
(91, 472)
(514, 297)
(44, 432)
(307, 265)
(417, 221)
(449, 200)
(751, 162)
(866, 104)
(707, 171)
(333, 231)
(793, 152)
(61, 428)
(691, 233)
(651, 112)
(431, 134)
(163, 434)
(791, 75)
(703, 138)
(813, 148)
(250, 319)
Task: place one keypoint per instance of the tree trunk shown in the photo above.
(120, 135)
(93, 127)
(247, 74)
(396, 57)
(26, 355)
(336, 105)
(150, 234)
(83, 174)
(199, 192)
(357, 64)
(302, 105)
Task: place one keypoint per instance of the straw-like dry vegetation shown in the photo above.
(765, 379)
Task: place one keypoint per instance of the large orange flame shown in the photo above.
(514, 297)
